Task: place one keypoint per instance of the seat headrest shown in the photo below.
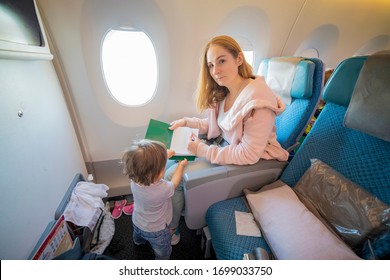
(368, 110)
(341, 83)
(302, 84)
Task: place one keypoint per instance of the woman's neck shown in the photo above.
(234, 92)
(235, 89)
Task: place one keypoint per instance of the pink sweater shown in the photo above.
(249, 127)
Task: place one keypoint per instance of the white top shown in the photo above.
(152, 205)
(221, 116)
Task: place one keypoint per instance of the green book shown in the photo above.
(175, 140)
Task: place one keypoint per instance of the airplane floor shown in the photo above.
(123, 248)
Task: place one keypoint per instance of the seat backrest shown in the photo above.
(305, 91)
(362, 158)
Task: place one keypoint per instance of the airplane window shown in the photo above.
(129, 64)
(247, 48)
(310, 52)
(248, 57)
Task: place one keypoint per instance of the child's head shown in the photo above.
(144, 161)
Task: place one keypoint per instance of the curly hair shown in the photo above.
(144, 161)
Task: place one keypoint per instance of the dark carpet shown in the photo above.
(123, 248)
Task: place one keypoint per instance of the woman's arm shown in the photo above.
(257, 130)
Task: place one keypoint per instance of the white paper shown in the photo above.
(246, 224)
(180, 138)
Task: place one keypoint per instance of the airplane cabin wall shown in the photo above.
(40, 153)
(341, 29)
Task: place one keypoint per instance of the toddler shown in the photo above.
(144, 163)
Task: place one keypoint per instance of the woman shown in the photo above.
(240, 109)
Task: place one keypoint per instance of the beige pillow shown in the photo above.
(304, 200)
(291, 230)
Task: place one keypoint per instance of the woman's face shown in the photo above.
(223, 67)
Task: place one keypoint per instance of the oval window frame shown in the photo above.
(151, 80)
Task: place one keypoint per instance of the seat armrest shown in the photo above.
(199, 177)
(206, 187)
(257, 254)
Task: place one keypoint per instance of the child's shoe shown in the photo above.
(118, 207)
(128, 209)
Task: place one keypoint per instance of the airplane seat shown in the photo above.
(205, 187)
(359, 151)
(305, 94)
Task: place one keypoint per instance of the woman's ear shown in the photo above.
(240, 59)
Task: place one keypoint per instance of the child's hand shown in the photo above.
(183, 162)
(170, 153)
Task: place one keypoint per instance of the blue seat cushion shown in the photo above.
(377, 247)
(292, 123)
(291, 119)
(226, 243)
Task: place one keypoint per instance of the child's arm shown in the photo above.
(178, 172)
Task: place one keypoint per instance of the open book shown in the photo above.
(175, 140)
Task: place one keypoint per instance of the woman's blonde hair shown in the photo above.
(209, 92)
(144, 161)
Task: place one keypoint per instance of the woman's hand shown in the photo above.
(193, 144)
(178, 123)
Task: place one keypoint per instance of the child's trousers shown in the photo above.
(159, 240)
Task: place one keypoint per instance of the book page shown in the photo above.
(180, 138)
(56, 242)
